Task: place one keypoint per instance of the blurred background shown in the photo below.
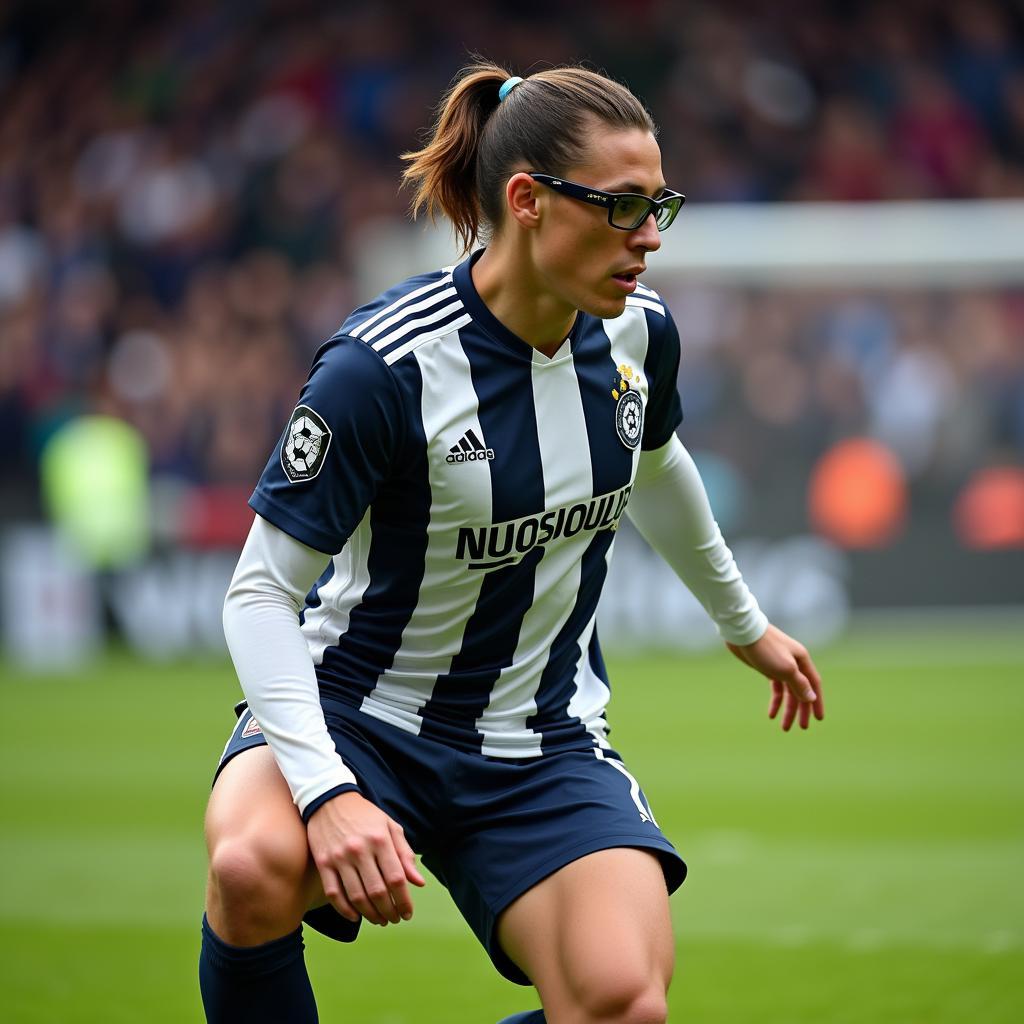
(194, 195)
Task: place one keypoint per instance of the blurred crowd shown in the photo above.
(185, 188)
(771, 379)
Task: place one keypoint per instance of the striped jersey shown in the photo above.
(468, 489)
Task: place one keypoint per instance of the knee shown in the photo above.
(625, 1000)
(255, 876)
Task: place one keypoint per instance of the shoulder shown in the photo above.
(350, 386)
(647, 299)
(401, 319)
(660, 329)
(649, 308)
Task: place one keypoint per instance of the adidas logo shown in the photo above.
(469, 449)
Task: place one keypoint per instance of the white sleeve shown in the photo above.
(669, 506)
(274, 666)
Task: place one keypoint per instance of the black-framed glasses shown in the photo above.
(626, 210)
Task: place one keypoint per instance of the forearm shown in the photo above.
(273, 662)
(670, 508)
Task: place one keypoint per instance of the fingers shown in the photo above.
(799, 685)
(796, 709)
(368, 877)
(395, 896)
(364, 860)
(406, 855)
(802, 697)
(796, 683)
(804, 714)
(367, 891)
(789, 715)
(335, 893)
(383, 878)
(799, 696)
(808, 668)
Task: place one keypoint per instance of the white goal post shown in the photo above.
(949, 243)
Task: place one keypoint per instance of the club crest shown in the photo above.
(629, 407)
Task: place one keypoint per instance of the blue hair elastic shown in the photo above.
(507, 86)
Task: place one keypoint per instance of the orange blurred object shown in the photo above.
(989, 513)
(858, 494)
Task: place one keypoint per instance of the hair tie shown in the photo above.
(507, 86)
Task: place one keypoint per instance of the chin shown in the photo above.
(605, 309)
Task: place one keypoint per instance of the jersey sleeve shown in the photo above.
(664, 411)
(338, 445)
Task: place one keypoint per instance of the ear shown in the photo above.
(522, 197)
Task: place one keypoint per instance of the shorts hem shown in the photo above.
(567, 856)
(502, 962)
(260, 741)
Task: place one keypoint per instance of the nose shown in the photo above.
(647, 236)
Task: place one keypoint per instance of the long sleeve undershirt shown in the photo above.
(670, 508)
(274, 666)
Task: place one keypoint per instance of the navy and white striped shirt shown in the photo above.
(468, 489)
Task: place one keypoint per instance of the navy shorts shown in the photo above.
(488, 828)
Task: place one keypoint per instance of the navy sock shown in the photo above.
(265, 984)
(530, 1017)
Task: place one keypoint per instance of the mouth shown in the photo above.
(630, 273)
(627, 278)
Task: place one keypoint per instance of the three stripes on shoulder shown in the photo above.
(646, 298)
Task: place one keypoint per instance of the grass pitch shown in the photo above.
(867, 871)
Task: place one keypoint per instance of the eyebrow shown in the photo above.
(632, 186)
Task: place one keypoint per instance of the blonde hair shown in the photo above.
(478, 142)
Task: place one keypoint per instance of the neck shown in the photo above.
(509, 286)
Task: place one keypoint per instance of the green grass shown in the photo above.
(868, 871)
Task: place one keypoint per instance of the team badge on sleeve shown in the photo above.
(305, 445)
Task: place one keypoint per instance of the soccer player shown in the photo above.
(412, 616)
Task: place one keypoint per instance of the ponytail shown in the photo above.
(443, 173)
(479, 141)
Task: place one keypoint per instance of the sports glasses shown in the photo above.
(626, 210)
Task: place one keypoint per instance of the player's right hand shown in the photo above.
(363, 859)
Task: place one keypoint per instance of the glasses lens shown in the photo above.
(629, 212)
(667, 211)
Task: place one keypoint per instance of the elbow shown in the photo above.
(232, 609)
(244, 596)
(250, 598)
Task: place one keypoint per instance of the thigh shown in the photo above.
(251, 801)
(518, 824)
(596, 931)
(251, 809)
(251, 798)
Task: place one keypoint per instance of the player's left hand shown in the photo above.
(794, 678)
